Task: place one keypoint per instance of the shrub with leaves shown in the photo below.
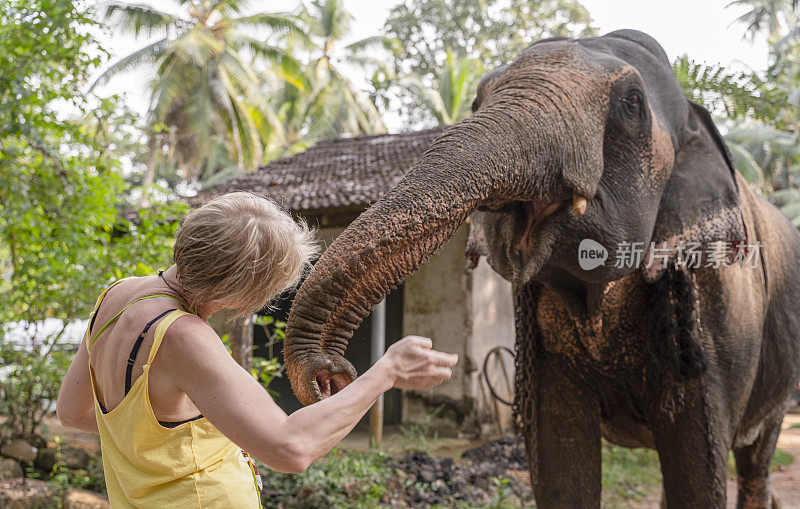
(340, 479)
(29, 387)
(62, 237)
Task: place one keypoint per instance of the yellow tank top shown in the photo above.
(149, 465)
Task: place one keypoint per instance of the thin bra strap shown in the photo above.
(135, 350)
(99, 301)
(161, 329)
(108, 323)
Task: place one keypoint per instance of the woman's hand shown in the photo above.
(412, 364)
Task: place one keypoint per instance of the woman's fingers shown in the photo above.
(444, 359)
(418, 366)
(432, 377)
(421, 342)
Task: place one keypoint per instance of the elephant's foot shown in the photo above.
(755, 494)
(752, 465)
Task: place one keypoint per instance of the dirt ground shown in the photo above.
(785, 481)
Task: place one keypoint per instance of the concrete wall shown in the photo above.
(436, 305)
(492, 312)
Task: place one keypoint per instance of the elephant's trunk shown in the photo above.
(467, 167)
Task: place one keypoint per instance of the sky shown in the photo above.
(702, 29)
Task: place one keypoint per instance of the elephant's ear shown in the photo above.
(700, 203)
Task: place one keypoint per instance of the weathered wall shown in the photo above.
(436, 305)
(492, 312)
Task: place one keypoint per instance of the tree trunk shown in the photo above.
(242, 342)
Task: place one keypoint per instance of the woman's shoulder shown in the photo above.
(190, 331)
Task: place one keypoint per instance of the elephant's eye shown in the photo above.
(632, 102)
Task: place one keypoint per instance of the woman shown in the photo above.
(172, 408)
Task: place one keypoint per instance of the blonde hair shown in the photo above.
(241, 250)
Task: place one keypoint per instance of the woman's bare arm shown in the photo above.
(75, 405)
(241, 409)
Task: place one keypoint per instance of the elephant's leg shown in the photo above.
(567, 438)
(693, 454)
(752, 467)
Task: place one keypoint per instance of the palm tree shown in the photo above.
(299, 117)
(770, 16)
(207, 89)
(449, 99)
(327, 23)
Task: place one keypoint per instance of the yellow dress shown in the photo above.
(149, 465)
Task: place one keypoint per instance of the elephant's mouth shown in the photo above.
(538, 210)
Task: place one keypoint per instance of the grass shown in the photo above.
(633, 474)
(340, 479)
(628, 474)
(360, 479)
(780, 459)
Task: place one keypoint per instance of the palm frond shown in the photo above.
(141, 19)
(197, 46)
(273, 23)
(146, 55)
(376, 42)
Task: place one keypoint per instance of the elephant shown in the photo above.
(592, 140)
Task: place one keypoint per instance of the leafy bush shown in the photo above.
(419, 436)
(30, 383)
(262, 369)
(341, 479)
(91, 478)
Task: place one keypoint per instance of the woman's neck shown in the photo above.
(170, 280)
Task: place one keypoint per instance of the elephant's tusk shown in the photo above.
(579, 204)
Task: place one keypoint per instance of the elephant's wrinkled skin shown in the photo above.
(690, 361)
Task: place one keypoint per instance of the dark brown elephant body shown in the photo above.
(592, 139)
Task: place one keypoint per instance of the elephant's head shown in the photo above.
(585, 139)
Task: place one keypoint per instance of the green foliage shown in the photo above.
(207, 88)
(342, 479)
(330, 103)
(449, 100)
(772, 17)
(504, 492)
(732, 95)
(491, 32)
(91, 478)
(140, 245)
(419, 436)
(265, 370)
(58, 187)
(30, 384)
(61, 236)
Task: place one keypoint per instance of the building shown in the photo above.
(464, 311)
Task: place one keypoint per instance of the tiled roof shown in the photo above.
(333, 174)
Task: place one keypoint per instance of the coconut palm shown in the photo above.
(207, 88)
(327, 23)
(770, 16)
(454, 85)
